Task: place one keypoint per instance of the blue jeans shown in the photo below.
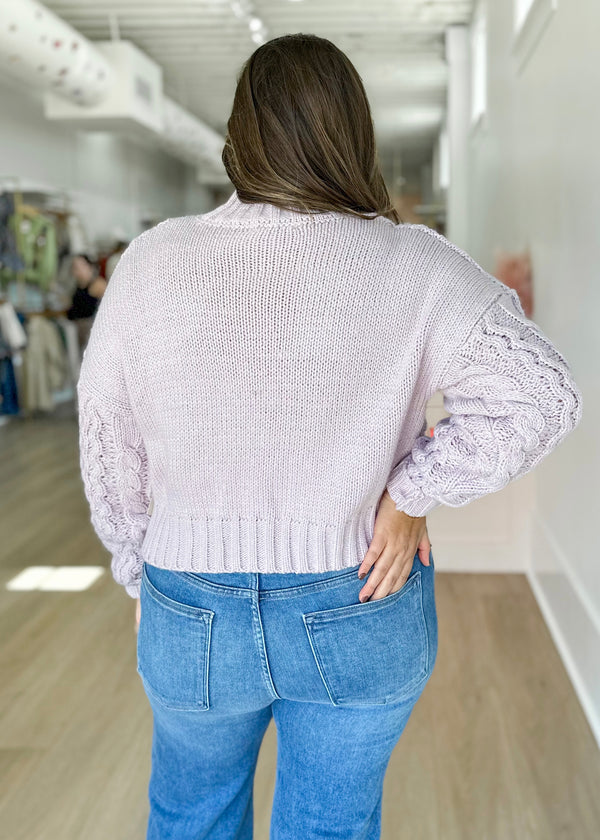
(219, 654)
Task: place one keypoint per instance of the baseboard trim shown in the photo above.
(585, 621)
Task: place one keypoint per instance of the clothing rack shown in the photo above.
(45, 371)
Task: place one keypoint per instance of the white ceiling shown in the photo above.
(397, 47)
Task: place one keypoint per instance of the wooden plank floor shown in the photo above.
(497, 748)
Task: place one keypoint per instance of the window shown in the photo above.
(531, 18)
(443, 160)
(522, 7)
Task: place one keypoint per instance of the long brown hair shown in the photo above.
(300, 134)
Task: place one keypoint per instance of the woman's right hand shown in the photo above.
(396, 539)
(138, 613)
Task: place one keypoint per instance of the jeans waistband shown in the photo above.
(271, 580)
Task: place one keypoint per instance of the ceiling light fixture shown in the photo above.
(244, 10)
(238, 8)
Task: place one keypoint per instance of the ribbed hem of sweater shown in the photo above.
(249, 544)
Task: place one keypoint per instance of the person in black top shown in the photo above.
(86, 297)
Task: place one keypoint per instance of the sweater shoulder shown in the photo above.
(448, 255)
(150, 246)
(453, 271)
(164, 230)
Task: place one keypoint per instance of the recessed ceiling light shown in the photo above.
(237, 9)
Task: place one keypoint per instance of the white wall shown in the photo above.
(198, 198)
(457, 117)
(534, 181)
(116, 183)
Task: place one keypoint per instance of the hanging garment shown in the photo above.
(9, 403)
(11, 328)
(46, 366)
(35, 236)
(9, 398)
(78, 241)
(25, 297)
(84, 329)
(71, 340)
(10, 259)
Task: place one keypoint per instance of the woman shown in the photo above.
(252, 417)
(86, 297)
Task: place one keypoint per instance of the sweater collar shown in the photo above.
(237, 213)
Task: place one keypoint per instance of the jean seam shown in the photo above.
(283, 592)
(199, 706)
(262, 650)
(326, 615)
(318, 663)
(234, 591)
(201, 613)
(308, 588)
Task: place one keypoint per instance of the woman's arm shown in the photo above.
(512, 399)
(97, 287)
(113, 460)
(114, 469)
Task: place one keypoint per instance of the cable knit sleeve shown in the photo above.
(511, 398)
(113, 460)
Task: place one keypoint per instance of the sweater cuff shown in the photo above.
(133, 590)
(407, 497)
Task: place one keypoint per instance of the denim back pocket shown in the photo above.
(374, 652)
(173, 650)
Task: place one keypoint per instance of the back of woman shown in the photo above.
(252, 415)
(278, 366)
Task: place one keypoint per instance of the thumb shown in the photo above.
(424, 549)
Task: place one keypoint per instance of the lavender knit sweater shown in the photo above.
(256, 377)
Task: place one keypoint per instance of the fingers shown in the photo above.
(389, 575)
(377, 545)
(391, 571)
(391, 584)
(423, 552)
